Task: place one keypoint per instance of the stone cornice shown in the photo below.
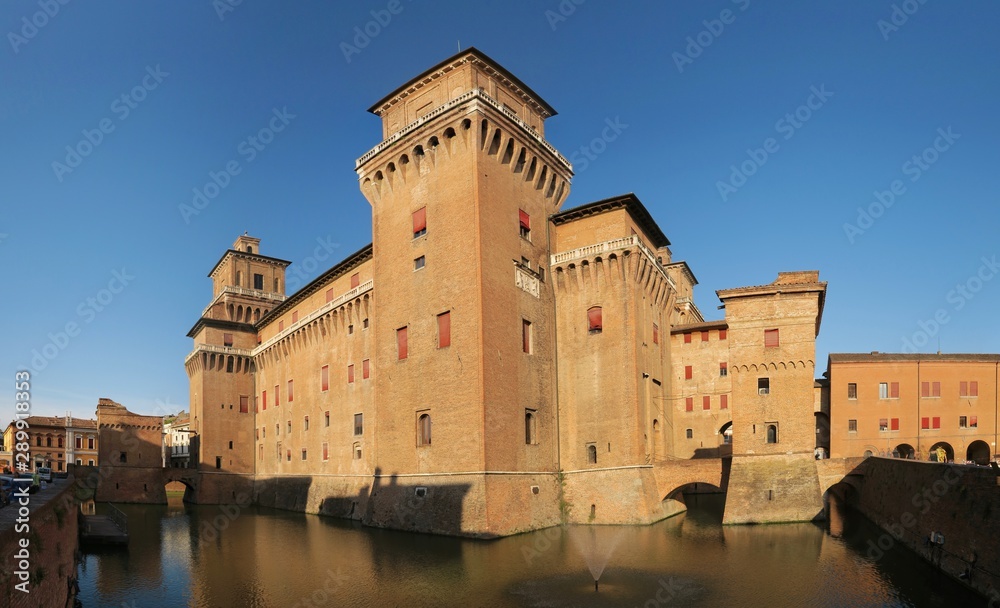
(253, 256)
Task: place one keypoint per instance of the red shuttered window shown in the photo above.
(355, 280)
(894, 390)
(722, 334)
(366, 370)
(706, 403)
(444, 329)
(350, 373)
(420, 222)
(895, 424)
(402, 348)
(688, 372)
(723, 402)
(595, 319)
(770, 338)
(689, 404)
(687, 338)
(936, 422)
(324, 378)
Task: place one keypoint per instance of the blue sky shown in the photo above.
(753, 132)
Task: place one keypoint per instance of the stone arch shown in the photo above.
(978, 452)
(904, 450)
(939, 447)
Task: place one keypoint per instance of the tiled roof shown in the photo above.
(877, 356)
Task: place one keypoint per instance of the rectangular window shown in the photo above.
(763, 386)
(974, 388)
(973, 422)
(79, 443)
(689, 404)
(723, 369)
(305, 423)
(402, 350)
(687, 338)
(263, 399)
(366, 369)
(963, 422)
(883, 390)
(420, 222)
(925, 389)
(852, 426)
(295, 316)
(227, 339)
(359, 424)
(324, 378)
(244, 404)
(90, 443)
(444, 330)
(291, 394)
(706, 403)
(704, 336)
(326, 451)
(722, 334)
(355, 280)
(419, 262)
(894, 424)
(656, 333)
(689, 433)
(525, 222)
(852, 390)
(281, 326)
(723, 402)
(526, 336)
(770, 338)
(303, 453)
(329, 295)
(688, 372)
(925, 423)
(258, 282)
(277, 395)
(364, 323)
(289, 426)
(350, 373)
(894, 390)
(935, 389)
(883, 424)
(935, 422)
(595, 319)
(963, 389)
(326, 419)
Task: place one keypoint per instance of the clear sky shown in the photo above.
(753, 132)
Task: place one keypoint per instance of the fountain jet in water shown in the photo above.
(596, 546)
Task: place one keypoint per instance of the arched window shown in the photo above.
(249, 249)
(530, 437)
(772, 433)
(592, 454)
(595, 319)
(424, 429)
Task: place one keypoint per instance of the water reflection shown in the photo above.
(210, 556)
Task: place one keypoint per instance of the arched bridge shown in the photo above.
(672, 475)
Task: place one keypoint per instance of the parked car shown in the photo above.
(45, 473)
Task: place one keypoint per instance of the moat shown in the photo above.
(211, 556)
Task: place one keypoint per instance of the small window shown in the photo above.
(526, 336)
(291, 393)
(595, 320)
(722, 334)
(227, 339)
(689, 433)
(258, 282)
(925, 423)
(925, 389)
(276, 395)
(935, 389)
(770, 338)
(218, 462)
(763, 386)
(329, 295)
(420, 222)
(366, 369)
(326, 419)
(525, 222)
(230, 445)
(688, 372)
(326, 451)
(350, 329)
(303, 453)
(963, 422)
(419, 263)
(852, 426)
(592, 454)
(689, 404)
(229, 364)
(305, 423)
(295, 316)
(772, 432)
(894, 390)
(852, 390)
(355, 280)
(974, 388)
(706, 402)
(704, 336)
(723, 402)
(883, 390)
(687, 338)
(324, 378)
(424, 429)
(244, 404)
(444, 329)
(402, 350)
(530, 437)
(723, 369)
(656, 333)
(936, 422)
(289, 426)
(350, 373)
(364, 323)
(359, 424)
(883, 424)
(973, 422)
(356, 450)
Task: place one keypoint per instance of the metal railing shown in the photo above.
(120, 519)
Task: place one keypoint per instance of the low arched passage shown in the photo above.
(941, 452)
(978, 452)
(905, 450)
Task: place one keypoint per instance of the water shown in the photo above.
(207, 556)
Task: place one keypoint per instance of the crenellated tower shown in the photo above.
(245, 287)
(461, 188)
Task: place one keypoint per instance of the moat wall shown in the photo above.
(909, 499)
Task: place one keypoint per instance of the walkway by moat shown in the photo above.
(211, 556)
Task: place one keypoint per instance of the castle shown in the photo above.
(492, 363)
